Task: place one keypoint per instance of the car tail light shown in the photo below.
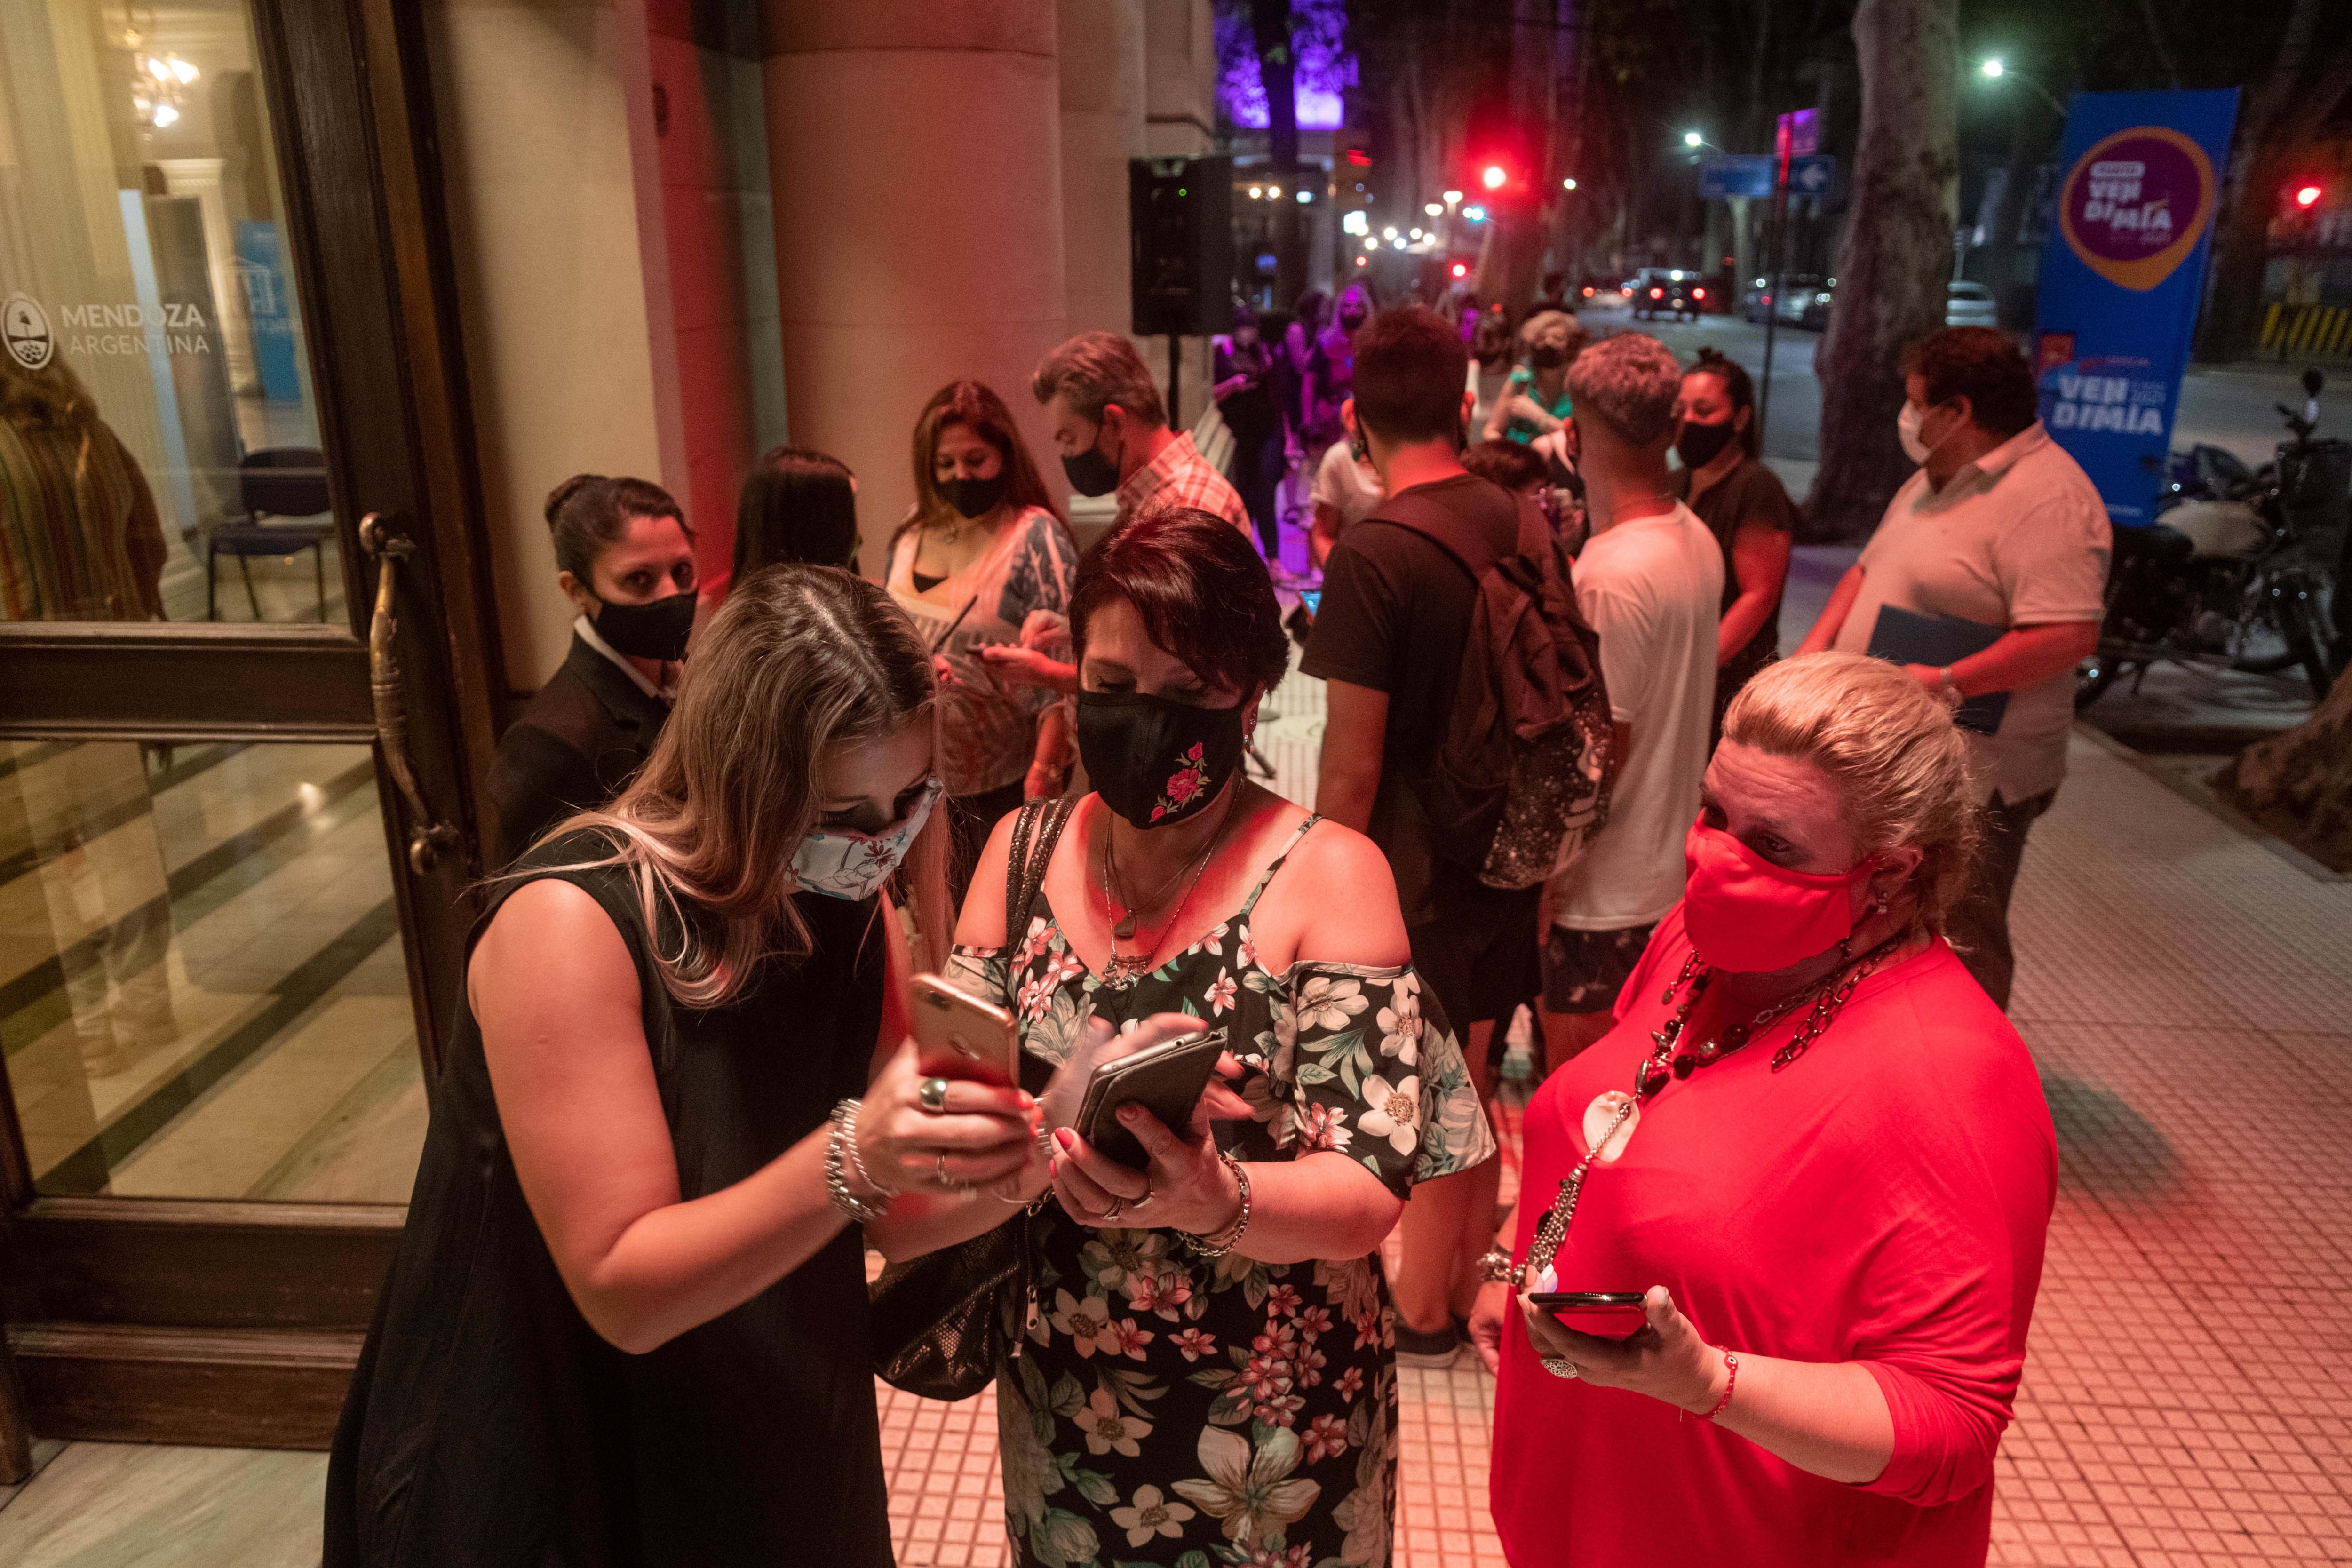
(1698, 293)
(1657, 293)
(1588, 291)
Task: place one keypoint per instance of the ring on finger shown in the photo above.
(932, 1095)
(1140, 1204)
(1118, 1208)
(945, 1180)
(1561, 1366)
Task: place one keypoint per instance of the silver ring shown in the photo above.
(1561, 1366)
(932, 1095)
(1140, 1204)
(945, 1180)
(1118, 1208)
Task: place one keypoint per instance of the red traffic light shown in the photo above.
(1461, 269)
(1493, 176)
(1698, 293)
(2307, 196)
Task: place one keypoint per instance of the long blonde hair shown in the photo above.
(1900, 764)
(798, 660)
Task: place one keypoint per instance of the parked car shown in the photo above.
(1657, 292)
(1804, 299)
(1969, 305)
(1756, 300)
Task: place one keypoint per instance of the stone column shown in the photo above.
(1102, 128)
(914, 153)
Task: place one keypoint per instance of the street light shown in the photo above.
(1433, 209)
(1452, 199)
(1692, 138)
(1567, 185)
(1306, 197)
(1995, 70)
(1256, 192)
(1475, 214)
(1388, 233)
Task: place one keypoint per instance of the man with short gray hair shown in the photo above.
(1650, 579)
(1110, 427)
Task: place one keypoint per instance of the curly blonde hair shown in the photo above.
(1900, 764)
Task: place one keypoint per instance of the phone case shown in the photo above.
(1166, 1079)
(957, 1034)
(1590, 1313)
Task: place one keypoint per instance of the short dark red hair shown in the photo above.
(1201, 590)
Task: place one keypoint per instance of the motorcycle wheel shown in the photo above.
(2264, 638)
(2092, 678)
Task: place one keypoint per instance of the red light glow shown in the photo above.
(1461, 269)
(1492, 177)
(1360, 261)
(1657, 293)
(2307, 196)
(1588, 291)
(1698, 293)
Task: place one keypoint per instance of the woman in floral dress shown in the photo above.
(1211, 1380)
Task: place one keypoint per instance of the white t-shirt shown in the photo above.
(1652, 588)
(1347, 485)
(2018, 538)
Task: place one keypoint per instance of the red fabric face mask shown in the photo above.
(1751, 917)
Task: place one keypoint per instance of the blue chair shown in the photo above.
(288, 483)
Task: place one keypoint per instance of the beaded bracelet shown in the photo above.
(843, 1137)
(1732, 1362)
(1203, 1247)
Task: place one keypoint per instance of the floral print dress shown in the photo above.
(1172, 1409)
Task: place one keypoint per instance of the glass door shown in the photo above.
(243, 714)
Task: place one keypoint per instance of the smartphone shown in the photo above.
(1312, 598)
(1606, 1314)
(1167, 1080)
(957, 1034)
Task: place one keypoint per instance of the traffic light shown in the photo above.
(2307, 196)
(1494, 176)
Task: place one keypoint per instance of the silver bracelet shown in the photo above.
(1495, 1267)
(857, 1160)
(1202, 1246)
(836, 1184)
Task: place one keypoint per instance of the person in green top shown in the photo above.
(1535, 402)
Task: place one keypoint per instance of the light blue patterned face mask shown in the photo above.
(843, 864)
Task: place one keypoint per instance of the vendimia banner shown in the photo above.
(2122, 276)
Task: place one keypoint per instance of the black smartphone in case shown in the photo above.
(1167, 1080)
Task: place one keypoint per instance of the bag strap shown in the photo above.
(1036, 832)
(1435, 524)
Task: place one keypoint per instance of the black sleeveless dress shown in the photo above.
(489, 1424)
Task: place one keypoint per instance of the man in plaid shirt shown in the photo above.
(1112, 429)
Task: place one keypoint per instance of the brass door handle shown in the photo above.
(429, 840)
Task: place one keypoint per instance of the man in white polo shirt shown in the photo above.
(2002, 527)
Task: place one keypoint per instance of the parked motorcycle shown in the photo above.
(2240, 568)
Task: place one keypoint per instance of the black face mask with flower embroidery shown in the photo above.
(1155, 761)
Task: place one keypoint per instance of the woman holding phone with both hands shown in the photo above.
(627, 1320)
(1210, 1369)
(1819, 1155)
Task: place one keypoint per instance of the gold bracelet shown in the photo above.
(1203, 1247)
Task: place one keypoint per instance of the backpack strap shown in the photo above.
(1470, 551)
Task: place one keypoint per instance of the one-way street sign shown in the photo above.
(1812, 176)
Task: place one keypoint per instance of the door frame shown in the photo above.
(239, 1322)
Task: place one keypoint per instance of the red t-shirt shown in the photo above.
(1885, 1198)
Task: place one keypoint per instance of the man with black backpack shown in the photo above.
(1468, 735)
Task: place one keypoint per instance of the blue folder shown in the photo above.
(1907, 637)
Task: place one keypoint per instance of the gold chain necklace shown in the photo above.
(1124, 969)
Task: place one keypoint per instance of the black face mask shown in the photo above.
(1089, 472)
(1547, 356)
(973, 498)
(1155, 761)
(1349, 320)
(657, 629)
(1698, 445)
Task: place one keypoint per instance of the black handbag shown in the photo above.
(938, 1321)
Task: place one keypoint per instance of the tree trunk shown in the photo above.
(2233, 287)
(1270, 22)
(1896, 256)
(2299, 784)
(1513, 252)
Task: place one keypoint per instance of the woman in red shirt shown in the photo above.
(1824, 1159)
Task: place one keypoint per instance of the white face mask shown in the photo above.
(1906, 430)
(842, 863)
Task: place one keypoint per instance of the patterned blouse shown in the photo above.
(988, 729)
(1174, 1409)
